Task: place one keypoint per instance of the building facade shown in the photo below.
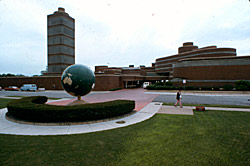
(125, 77)
(212, 71)
(61, 41)
(165, 65)
(201, 67)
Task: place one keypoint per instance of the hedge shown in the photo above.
(33, 109)
(159, 87)
(115, 89)
(242, 85)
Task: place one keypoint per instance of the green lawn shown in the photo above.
(4, 102)
(51, 98)
(207, 138)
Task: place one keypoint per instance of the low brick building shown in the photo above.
(201, 67)
(165, 65)
(125, 77)
(47, 82)
(213, 71)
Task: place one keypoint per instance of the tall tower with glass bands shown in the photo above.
(61, 41)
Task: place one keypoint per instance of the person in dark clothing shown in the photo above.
(178, 98)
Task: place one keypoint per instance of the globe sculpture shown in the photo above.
(78, 80)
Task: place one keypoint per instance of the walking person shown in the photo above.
(178, 98)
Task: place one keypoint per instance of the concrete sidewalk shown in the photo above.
(175, 110)
(227, 109)
(188, 110)
(8, 127)
(6, 97)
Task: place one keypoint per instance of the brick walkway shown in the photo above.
(141, 99)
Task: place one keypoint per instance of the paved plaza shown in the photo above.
(141, 100)
(146, 107)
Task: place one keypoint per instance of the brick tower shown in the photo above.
(61, 41)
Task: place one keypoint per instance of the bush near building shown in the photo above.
(161, 86)
(115, 89)
(242, 85)
(33, 109)
(228, 87)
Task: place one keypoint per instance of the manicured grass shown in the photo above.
(4, 102)
(51, 98)
(210, 105)
(207, 138)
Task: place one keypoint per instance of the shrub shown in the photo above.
(114, 89)
(158, 87)
(163, 84)
(190, 88)
(242, 85)
(242, 88)
(179, 88)
(168, 84)
(206, 88)
(157, 84)
(216, 88)
(227, 87)
(34, 109)
(150, 87)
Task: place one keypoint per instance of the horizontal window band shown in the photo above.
(62, 34)
(61, 44)
(193, 55)
(59, 54)
(58, 64)
(61, 25)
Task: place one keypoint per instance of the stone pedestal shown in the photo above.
(77, 102)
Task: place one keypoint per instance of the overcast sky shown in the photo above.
(120, 32)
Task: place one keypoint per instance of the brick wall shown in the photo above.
(238, 72)
(107, 82)
(226, 68)
(48, 83)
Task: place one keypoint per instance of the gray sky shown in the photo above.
(120, 32)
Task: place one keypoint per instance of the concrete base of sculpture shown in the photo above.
(77, 102)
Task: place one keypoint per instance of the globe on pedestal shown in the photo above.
(78, 80)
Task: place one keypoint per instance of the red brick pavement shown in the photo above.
(141, 99)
